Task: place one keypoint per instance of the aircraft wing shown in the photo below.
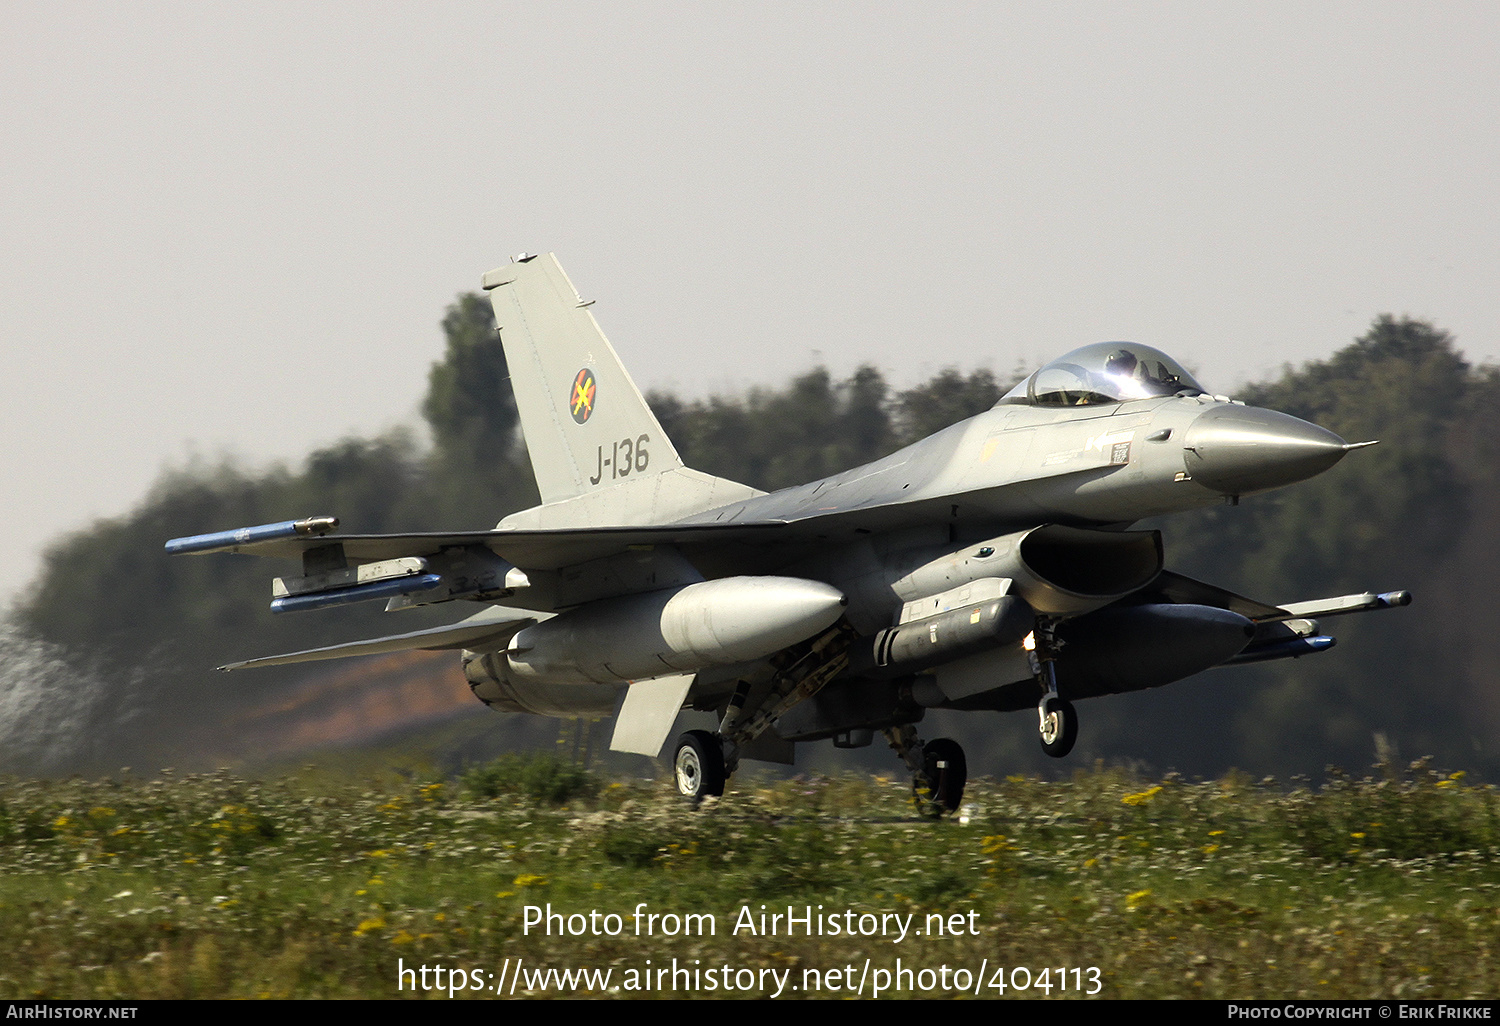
(1177, 589)
(1173, 587)
(533, 550)
(1281, 632)
(485, 631)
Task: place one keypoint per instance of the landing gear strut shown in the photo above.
(703, 760)
(1057, 723)
(938, 769)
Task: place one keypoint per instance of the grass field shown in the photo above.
(311, 886)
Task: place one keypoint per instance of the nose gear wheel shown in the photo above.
(1059, 726)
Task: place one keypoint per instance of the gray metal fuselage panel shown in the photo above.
(1011, 465)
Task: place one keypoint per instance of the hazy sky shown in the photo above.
(234, 227)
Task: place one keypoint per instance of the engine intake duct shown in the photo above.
(1094, 563)
(1058, 570)
(921, 644)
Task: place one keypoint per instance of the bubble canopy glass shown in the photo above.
(1105, 372)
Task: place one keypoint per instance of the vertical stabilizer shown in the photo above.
(587, 426)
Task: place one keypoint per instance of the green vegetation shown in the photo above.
(309, 886)
(548, 779)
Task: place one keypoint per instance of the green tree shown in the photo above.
(478, 468)
(469, 403)
(773, 438)
(946, 399)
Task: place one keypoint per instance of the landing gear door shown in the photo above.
(648, 712)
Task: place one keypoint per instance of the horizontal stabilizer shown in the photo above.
(487, 631)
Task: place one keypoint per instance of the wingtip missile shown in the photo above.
(308, 527)
(1348, 604)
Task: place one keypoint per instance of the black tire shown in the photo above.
(1060, 729)
(948, 771)
(698, 765)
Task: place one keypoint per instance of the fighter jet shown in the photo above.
(990, 567)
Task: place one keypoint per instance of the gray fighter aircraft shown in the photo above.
(989, 567)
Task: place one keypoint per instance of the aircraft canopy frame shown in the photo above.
(1104, 372)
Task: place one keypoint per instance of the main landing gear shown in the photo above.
(703, 760)
(698, 766)
(938, 769)
(1057, 723)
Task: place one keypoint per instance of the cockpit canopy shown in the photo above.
(1105, 372)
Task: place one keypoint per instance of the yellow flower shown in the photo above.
(994, 844)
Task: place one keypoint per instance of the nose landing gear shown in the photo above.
(1057, 723)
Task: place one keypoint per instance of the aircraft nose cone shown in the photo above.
(1237, 450)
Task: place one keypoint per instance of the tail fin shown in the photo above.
(586, 423)
(587, 426)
